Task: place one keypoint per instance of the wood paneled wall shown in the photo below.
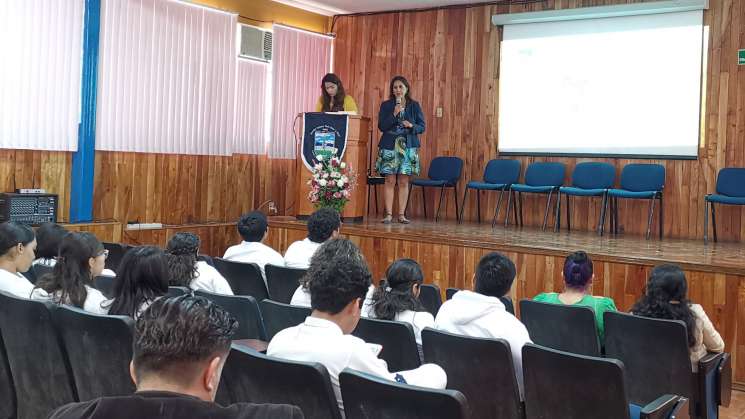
(451, 58)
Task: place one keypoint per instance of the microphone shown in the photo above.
(398, 102)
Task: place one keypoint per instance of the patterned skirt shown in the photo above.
(399, 161)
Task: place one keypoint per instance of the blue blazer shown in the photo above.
(390, 124)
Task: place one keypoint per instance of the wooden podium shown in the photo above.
(355, 155)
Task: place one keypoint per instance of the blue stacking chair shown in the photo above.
(638, 181)
(499, 175)
(542, 178)
(444, 172)
(730, 191)
(588, 179)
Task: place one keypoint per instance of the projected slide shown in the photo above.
(611, 86)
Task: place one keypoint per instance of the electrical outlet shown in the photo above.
(438, 112)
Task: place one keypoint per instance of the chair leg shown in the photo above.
(649, 218)
(368, 199)
(545, 213)
(408, 198)
(424, 202)
(569, 218)
(442, 193)
(601, 221)
(496, 211)
(455, 196)
(706, 221)
(463, 205)
(478, 205)
(510, 195)
(377, 204)
(615, 215)
(557, 222)
(714, 221)
(514, 209)
(662, 216)
(520, 198)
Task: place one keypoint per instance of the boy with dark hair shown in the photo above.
(480, 313)
(323, 224)
(338, 281)
(253, 228)
(180, 347)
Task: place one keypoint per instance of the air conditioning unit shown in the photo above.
(256, 43)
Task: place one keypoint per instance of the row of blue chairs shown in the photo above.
(589, 179)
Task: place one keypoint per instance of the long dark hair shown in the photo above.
(12, 233)
(72, 272)
(181, 254)
(405, 82)
(577, 270)
(394, 294)
(49, 237)
(142, 277)
(338, 99)
(665, 298)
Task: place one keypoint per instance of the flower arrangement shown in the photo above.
(332, 182)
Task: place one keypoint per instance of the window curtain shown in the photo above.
(299, 61)
(167, 76)
(251, 107)
(40, 74)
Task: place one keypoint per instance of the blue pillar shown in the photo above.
(83, 167)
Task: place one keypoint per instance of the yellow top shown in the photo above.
(349, 104)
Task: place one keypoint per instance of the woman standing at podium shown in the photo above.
(401, 121)
(333, 98)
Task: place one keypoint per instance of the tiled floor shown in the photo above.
(736, 409)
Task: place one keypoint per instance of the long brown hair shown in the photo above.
(339, 98)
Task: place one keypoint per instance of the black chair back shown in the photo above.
(249, 376)
(99, 349)
(481, 369)
(35, 272)
(366, 397)
(207, 259)
(41, 373)
(7, 391)
(397, 338)
(279, 316)
(566, 328)
(243, 308)
(243, 278)
(507, 301)
(105, 284)
(654, 352)
(430, 297)
(563, 385)
(282, 282)
(174, 291)
(116, 253)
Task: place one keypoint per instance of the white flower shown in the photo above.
(343, 165)
(340, 182)
(319, 157)
(325, 175)
(318, 166)
(345, 179)
(322, 182)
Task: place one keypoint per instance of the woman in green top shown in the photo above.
(578, 276)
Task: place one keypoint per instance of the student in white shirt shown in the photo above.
(81, 258)
(253, 228)
(340, 279)
(186, 271)
(49, 238)
(323, 224)
(17, 246)
(480, 313)
(397, 297)
(143, 277)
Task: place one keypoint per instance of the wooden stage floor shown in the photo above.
(448, 253)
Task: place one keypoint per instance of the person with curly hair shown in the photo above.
(578, 277)
(665, 297)
(186, 271)
(180, 348)
(323, 224)
(340, 278)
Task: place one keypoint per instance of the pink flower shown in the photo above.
(337, 195)
(331, 184)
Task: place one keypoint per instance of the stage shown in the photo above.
(448, 253)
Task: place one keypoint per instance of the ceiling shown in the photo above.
(340, 7)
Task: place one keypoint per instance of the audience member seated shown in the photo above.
(340, 279)
(397, 297)
(253, 228)
(323, 224)
(480, 313)
(81, 259)
(301, 296)
(665, 298)
(578, 277)
(143, 277)
(186, 271)
(17, 246)
(49, 238)
(180, 347)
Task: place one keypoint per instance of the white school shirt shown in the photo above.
(301, 298)
(254, 252)
(322, 341)
(299, 253)
(51, 262)
(95, 301)
(476, 315)
(209, 279)
(418, 320)
(15, 284)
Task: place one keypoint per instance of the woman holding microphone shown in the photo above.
(401, 121)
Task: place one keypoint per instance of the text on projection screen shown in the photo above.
(620, 86)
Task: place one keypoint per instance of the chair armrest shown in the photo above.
(711, 385)
(682, 409)
(661, 408)
(725, 380)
